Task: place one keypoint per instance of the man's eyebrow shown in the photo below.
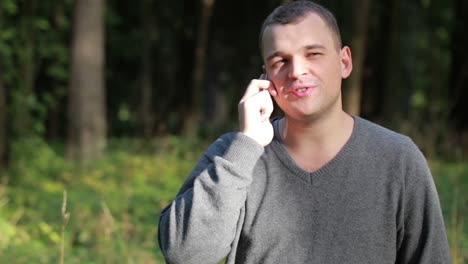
(314, 46)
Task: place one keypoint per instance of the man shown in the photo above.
(316, 186)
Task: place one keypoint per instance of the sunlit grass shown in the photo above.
(452, 183)
(114, 204)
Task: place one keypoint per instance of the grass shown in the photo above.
(54, 212)
(452, 183)
(110, 212)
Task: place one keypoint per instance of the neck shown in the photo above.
(316, 139)
(316, 130)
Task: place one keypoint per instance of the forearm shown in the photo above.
(200, 224)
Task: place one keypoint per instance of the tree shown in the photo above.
(194, 114)
(3, 112)
(3, 120)
(53, 69)
(146, 116)
(24, 99)
(377, 62)
(353, 89)
(459, 78)
(86, 108)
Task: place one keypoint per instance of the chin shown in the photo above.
(302, 115)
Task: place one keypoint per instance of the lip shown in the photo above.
(302, 90)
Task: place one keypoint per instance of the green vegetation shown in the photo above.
(114, 204)
(452, 184)
(413, 81)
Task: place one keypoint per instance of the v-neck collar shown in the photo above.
(316, 176)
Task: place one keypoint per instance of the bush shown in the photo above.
(114, 204)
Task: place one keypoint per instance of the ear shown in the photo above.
(346, 62)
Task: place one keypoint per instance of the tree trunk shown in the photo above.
(146, 117)
(459, 80)
(86, 112)
(53, 118)
(22, 121)
(3, 121)
(3, 116)
(353, 89)
(193, 115)
(215, 108)
(381, 62)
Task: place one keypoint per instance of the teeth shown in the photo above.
(302, 89)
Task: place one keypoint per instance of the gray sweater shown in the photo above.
(375, 202)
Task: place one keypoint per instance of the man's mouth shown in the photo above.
(302, 90)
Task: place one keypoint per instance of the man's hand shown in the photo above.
(255, 109)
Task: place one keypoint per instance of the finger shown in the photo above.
(255, 87)
(272, 90)
(263, 76)
(266, 105)
(257, 103)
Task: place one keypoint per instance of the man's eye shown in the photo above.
(279, 62)
(314, 54)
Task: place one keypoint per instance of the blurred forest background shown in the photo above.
(105, 107)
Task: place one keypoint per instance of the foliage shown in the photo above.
(115, 203)
(34, 51)
(406, 78)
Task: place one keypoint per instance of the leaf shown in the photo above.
(5, 50)
(7, 34)
(42, 23)
(9, 6)
(58, 72)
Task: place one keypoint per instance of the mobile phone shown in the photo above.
(264, 75)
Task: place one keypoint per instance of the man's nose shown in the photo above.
(297, 68)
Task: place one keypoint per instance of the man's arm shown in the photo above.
(200, 225)
(421, 235)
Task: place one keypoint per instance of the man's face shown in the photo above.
(306, 67)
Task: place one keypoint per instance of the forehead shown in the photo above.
(309, 30)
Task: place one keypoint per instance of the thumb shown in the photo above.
(272, 90)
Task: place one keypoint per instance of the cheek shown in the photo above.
(279, 78)
(331, 74)
(278, 83)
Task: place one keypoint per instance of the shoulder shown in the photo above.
(374, 137)
(396, 150)
(386, 146)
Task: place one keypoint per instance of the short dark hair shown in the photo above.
(292, 11)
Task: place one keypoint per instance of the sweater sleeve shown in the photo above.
(421, 235)
(200, 224)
